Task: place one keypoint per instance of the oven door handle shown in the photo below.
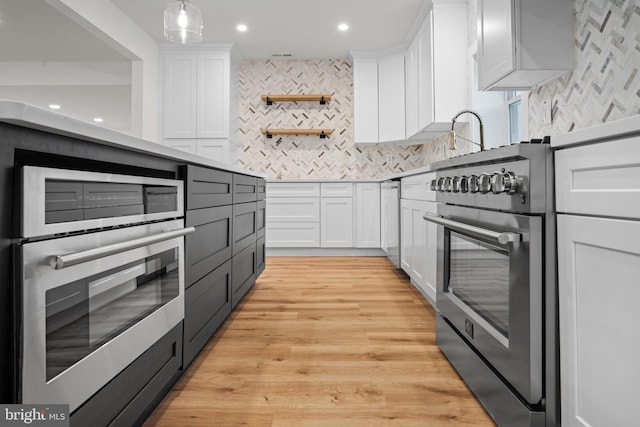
(501, 237)
(61, 261)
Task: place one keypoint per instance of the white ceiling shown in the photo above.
(33, 30)
(308, 29)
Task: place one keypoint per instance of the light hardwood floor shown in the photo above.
(324, 342)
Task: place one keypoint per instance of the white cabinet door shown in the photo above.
(419, 229)
(179, 103)
(599, 290)
(367, 215)
(431, 251)
(406, 236)
(293, 235)
(214, 149)
(391, 91)
(412, 97)
(425, 73)
(286, 209)
(186, 145)
(365, 101)
(496, 44)
(213, 96)
(336, 222)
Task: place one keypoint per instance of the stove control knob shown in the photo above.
(464, 184)
(440, 184)
(474, 186)
(484, 183)
(456, 184)
(434, 185)
(497, 183)
(447, 184)
(511, 183)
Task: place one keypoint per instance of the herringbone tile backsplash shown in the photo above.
(605, 84)
(295, 157)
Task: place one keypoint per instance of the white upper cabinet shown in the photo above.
(365, 100)
(443, 70)
(412, 97)
(213, 95)
(180, 89)
(522, 44)
(391, 102)
(200, 93)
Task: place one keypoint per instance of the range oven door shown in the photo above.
(489, 289)
(91, 304)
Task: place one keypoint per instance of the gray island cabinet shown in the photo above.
(223, 257)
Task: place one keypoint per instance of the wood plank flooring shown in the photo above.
(324, 342)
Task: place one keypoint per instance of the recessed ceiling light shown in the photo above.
(343, 27)
(54, 106)
(98, 120)
(241, 28)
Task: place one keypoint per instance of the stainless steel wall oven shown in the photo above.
(496, 289)
(100, 269)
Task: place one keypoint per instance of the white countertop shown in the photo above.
(599, 133)
(37, 118)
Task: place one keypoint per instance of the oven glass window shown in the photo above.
(479, 277)
(83, 315)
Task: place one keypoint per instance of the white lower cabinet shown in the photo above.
(598, 200)
(419, 245)
(323, 215)
(367, 215)
(219, 150)
(599, 290)
(336, 222)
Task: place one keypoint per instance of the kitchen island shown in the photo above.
(222, 202)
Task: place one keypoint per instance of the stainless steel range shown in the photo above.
(496, 287)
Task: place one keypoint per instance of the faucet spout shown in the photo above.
(452, 134)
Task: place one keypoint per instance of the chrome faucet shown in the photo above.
(452, 133)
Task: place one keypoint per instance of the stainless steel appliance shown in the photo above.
(391, 220)
(496, 287)
(100, 270)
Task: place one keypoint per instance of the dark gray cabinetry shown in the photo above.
(245, 188)
(208, 304)
(244, 226)
(262, 189)
(132, 395)
(221, 255)
(210, 245)
(244, 273)
(208, 187)
(260, 256)
(261, 219)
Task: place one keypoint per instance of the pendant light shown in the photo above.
(182, 22)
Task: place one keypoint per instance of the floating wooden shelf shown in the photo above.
(322, 98)
(322, 133)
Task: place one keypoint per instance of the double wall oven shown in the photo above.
(100, 269)
(496, 287)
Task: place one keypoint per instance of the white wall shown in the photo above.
(107, 22)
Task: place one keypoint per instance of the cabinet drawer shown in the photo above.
(245, 188)
(207, 304)
(293, 210)
(243, 273)
(262, 189)
(336, 189)
(260, 256)
(208, 187)
(293, 235)
(210, 245)
(244, 226)
(418, 187)
(261, 219)
(600, 179)
(293, 189)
